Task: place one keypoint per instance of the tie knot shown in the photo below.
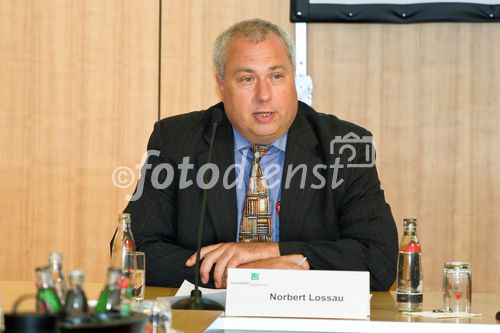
(259, 150)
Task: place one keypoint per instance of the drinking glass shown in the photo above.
(160, 315)
(140, 276)
(457, 286)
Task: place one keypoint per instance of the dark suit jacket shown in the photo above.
(347, 228)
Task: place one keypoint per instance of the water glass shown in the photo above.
(457, 287)
(140, 276)
(160, 315)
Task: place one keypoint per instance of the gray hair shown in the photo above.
(256, 30)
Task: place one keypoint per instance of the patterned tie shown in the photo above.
(255, 225)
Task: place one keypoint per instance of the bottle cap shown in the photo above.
(458, 265)
(43, 276)
(410, 222)
(124, 217)
(55, 257)
(42, 269)
(75, 273)
(114, 270)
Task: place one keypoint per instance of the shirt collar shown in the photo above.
(241, 143)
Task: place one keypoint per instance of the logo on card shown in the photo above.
(255, 276)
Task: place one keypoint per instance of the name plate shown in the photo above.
(297, 293)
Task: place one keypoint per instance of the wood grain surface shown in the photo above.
(78, 98)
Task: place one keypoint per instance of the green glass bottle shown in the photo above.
(46, 298)
(109, 300)
(76, 306)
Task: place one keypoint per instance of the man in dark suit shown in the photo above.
(326, 203)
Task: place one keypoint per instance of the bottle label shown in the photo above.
(409, 298)
(128, 244)
(411, 248)
(48, 301)
(103, 300)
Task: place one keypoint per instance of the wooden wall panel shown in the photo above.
(428, 92)
(78, 98)
(188, 31)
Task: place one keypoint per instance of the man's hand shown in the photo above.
(281, 262)
(229, 255)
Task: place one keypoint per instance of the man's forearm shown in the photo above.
(165, 264)
(348, 254)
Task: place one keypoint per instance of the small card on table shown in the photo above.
(298, 293)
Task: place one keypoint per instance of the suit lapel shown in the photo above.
(296, 197)
(221, 202)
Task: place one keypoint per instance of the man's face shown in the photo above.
(258, 89)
